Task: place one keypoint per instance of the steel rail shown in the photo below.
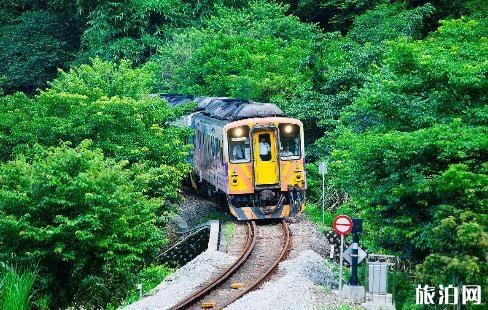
(248, 248)
(284, 249)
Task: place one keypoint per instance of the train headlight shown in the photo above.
(234, 181)
(238, 132)
(288, 129)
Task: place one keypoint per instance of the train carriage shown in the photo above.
(247, 153)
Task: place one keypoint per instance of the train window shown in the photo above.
(221, 156)
(265, 147)
(289, 141)
(239, 144)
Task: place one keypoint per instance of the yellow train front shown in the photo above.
(248, 154)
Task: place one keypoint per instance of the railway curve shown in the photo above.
(265, 247)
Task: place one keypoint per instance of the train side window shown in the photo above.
(239, 145)
(290, 141)
(221, 155)
(212, 143)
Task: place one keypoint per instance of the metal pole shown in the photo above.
(354, 260)
(340, 263)
(323, 198)
(394, 281)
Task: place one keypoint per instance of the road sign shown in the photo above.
(347, 254)
(323, 168)
(342, 225)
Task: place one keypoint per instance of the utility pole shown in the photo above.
(323, 172)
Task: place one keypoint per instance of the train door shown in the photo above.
(265, 157)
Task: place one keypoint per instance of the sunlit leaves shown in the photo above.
(412, 152)
(77, 214)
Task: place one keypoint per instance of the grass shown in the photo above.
(215, 215)
(149, 277)
(225, 219)
(229, 229)
(337, 307)
(314, 212)
(15, 288)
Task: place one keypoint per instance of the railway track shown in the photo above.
(264, 248)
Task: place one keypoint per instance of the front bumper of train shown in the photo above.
(255, 213)
(288, 206)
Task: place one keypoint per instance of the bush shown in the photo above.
(105, 102)
(82, 218)
(149, 277)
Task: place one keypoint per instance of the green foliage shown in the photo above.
(402, 167)
(15, 288)
(103, 79)
(103, 102)
(82, 217)
(149, 277)
(344, 12)
(401, 112)
(135, 29)
(428, 81)
(257, 53)
(412, 153)
(88, 217)
(338, 69)
(341, 65)
(32, 46)
(390, 21)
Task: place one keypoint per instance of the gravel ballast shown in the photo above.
(307, 236)
(294, 289)
(301, 283)
(194, 207)
(185, 280)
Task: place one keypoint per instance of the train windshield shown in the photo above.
(289, 141)
(239, 145)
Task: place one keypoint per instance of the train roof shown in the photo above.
(224, 108)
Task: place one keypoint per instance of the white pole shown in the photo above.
(340, 264)
(323, 198)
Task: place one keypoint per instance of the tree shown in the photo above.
(341, 65)
(135, 29)
(412, 153)
(104, 102)
(82, 218)
(89, 216)
(253, 53)
(32, 47)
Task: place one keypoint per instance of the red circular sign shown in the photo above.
(342, 225)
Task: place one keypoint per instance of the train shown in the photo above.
(247, 154)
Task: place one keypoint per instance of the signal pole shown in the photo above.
(357, 228)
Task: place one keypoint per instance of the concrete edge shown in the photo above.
(213, 240)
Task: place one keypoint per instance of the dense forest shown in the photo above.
(393, 94)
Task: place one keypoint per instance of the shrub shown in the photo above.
(82, 218)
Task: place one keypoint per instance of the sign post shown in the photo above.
(323, 172)
(341, 263)
(342, 226)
